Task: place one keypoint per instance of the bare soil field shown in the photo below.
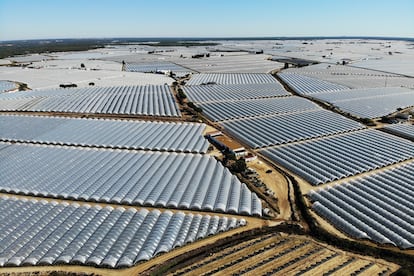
(285, 254)
(277, 183)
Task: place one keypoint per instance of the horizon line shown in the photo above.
(189, 38)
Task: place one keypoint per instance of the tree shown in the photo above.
(181, 94)
(193, 106)
(82, 65)
(23, 86)
(384, 119)
(239, 166)
(368, 121)
(229, 155)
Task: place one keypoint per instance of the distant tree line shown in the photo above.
(35, 46)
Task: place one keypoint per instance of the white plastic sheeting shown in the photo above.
(326, 69)
(373, 81)
(285, 128)
(7, 86)
(231, 78)
(213, 93)
(255, 107)
(337, 157)
(226, 62)
(377, 207)
(370, 103)
(305, 85)
(402, 65)
(361, 94)
(156, 67)
(352, 77)
(402, 130)
(178, 137)
(48, 233)
(148, 100)
(174, 180)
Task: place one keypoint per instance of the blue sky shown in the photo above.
(31, 19)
